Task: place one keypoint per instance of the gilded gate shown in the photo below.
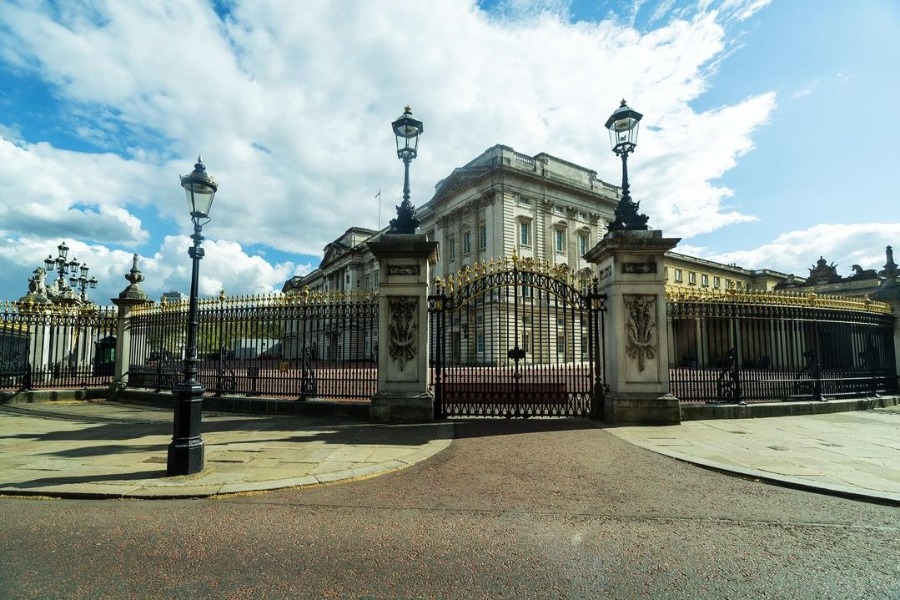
(517, 338)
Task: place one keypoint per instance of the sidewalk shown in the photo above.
(856, 454)
(111, 450)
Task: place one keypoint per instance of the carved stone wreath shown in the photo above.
(402, 330)
(640, 328)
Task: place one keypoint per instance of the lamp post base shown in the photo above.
(186, 450)
(185, 457)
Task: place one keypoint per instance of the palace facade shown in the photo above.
(502, 202)
(547, 212)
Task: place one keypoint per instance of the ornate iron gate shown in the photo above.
(517, 339)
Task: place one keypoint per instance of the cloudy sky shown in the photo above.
(768, 137)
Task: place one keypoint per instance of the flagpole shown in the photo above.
(378, 195)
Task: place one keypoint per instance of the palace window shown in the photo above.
(717, 282)
(451, 250)
(467, 242)
(482, 236)
(678, 276)
(560, 236)
(524, 233)
(479, 340)
(582, 244)
(692, 278)
(704, 280)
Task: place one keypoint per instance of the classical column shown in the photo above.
(403, 395)
(630, 270)
(130, 297)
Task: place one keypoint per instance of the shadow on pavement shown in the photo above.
(44, 482)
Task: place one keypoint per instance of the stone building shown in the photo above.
(545, 208)
(347, 265)
(683, 271)
(502, 202)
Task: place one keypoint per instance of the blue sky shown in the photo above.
(768, 136)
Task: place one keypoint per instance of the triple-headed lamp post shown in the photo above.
(406, 131)
(82, 283)
(62, 266)
(623, 130)
(186, 450)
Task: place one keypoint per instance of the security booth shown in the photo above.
(105, 356)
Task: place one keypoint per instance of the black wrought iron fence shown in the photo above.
(758, 347)
(308, 345)
(56, 346)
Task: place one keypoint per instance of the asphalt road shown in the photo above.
(513, 509)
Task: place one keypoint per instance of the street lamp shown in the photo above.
(80, 283)
(62, 268)
(623, 131)
(406, 132)
(186, 450)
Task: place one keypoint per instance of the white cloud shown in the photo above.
(63, 193)
(224, 264)
(843, 244)
(291, 110)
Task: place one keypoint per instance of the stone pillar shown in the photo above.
(631, 273)
(130, 297)
(889, 291)
(403, 373)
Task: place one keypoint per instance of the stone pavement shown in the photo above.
(854, 454)
(114, 450)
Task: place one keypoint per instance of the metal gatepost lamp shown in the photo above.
(186, 450)
(82, 283)
(623, 130)
(406, 131)
(62, 293)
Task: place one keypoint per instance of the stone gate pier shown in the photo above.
(630, 270)
(403, 262)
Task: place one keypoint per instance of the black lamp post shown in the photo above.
(406, 131)
(80, 283)
(62, 268)
(186, 450)
(623, 131)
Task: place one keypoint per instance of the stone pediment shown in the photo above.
(334, 251)
(458, 179)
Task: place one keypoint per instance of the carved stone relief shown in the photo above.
(403, 269)
(402, 330)
(638, 267)
(640, 328)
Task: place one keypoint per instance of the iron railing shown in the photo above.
(759, 347)
(56, 346)
(307, 345)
